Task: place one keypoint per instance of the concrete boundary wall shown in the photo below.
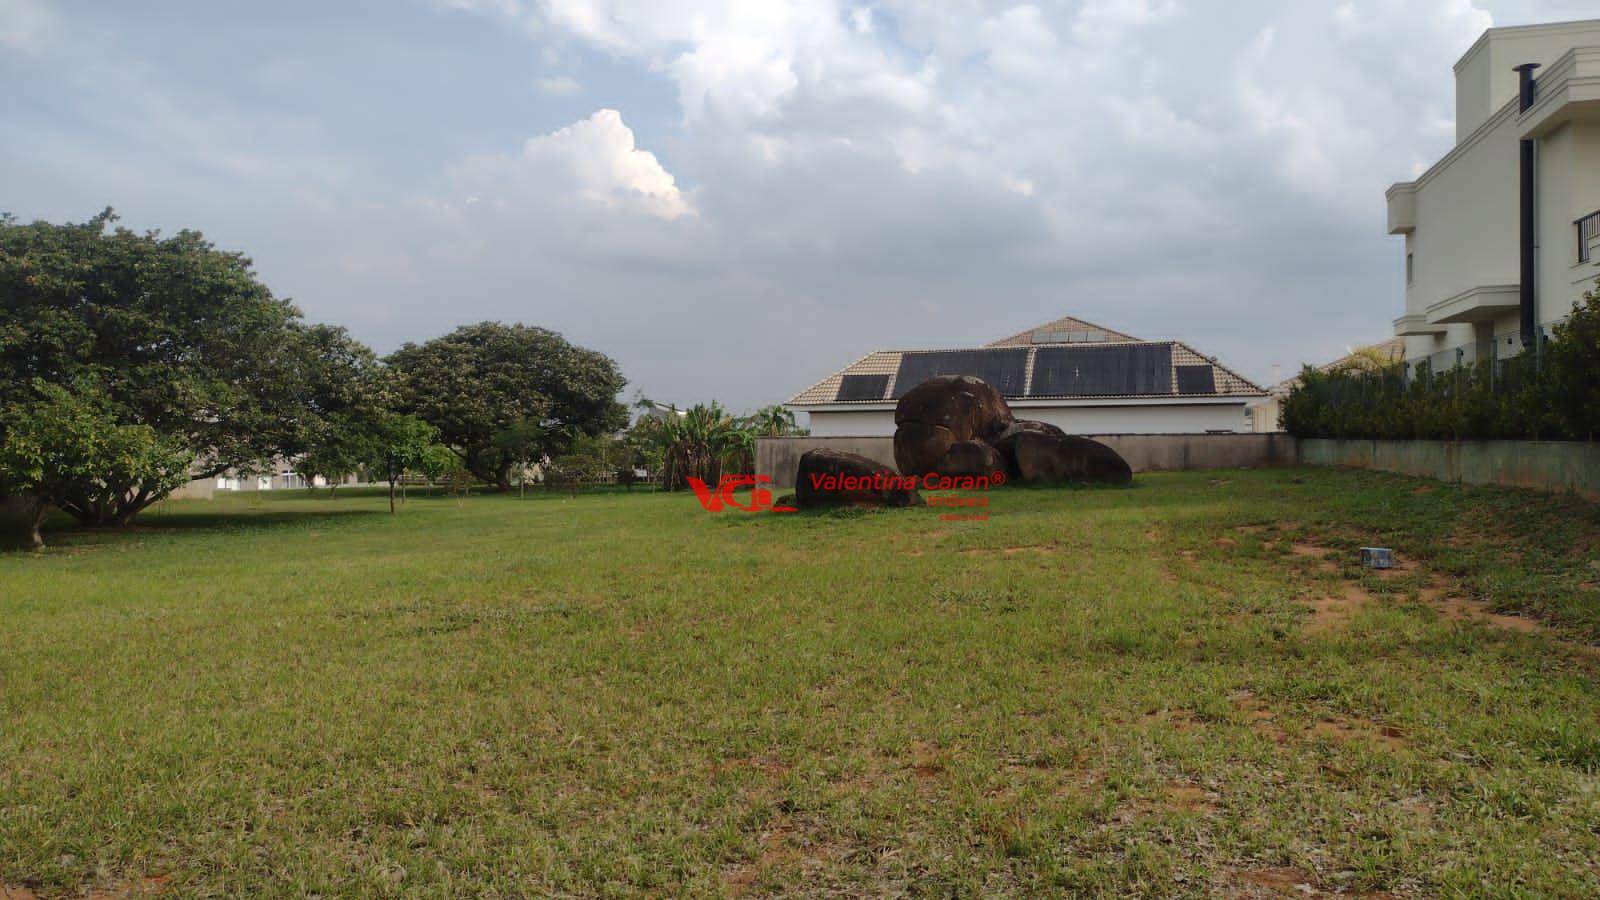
(1554, 466)
(778, 458)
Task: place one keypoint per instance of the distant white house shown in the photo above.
(1081, 377)
(279, 474)
(1502, 235)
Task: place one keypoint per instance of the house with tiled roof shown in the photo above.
(1081, 377)
(1266, 412)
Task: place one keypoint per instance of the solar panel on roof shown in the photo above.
(862, 387)
(1117, 371)
(1005, 370)
(1200, 379)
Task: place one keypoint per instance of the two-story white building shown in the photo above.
(1502, 235)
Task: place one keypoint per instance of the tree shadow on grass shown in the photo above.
(63, 532)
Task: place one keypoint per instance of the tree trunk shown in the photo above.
(36, 514)
(128, 507)
(391, 496)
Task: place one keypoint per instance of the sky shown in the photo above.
(735, 199)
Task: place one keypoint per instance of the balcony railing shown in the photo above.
(1588, 231)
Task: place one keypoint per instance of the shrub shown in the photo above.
(1551, 394)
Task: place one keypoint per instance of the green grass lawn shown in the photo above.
(1186, 687)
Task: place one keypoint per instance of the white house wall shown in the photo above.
(1484, 78)
(1148, 419)
(1569, 171)
(853, 423)
(1466, 234)
(1466, 208)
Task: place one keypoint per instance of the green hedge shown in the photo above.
(1549, 394)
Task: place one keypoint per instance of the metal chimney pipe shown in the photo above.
(1528, 90)
(1527, 87)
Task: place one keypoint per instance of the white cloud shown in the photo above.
(594, 159)
(559, 85)
(929, 173)
(1104, 21)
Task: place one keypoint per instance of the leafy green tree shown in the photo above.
(589, 458)
(522, 444)
(773, 421)
(348, 398)
(175, 336)
(54, 443)
(341, 448)
(397, 444)
(1574, 365)
(438, 464)
(481, 380)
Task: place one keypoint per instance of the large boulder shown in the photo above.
(828, 477)
(940, 412)
(1039, 452)
(973, 459)
(918, 447)
(1006, 441)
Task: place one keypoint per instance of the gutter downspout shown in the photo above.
(1526, 148)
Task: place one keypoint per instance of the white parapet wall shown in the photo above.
(1218, 415)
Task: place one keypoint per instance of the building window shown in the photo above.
(1411, 270)
(1588, 230)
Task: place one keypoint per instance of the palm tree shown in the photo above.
(701, 443)
(773, 421)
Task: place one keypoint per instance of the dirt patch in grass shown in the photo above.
(1335, 612)
(927, 762)
(1176, 719)
(1275, 881)
(1453, 607)
(1225, 543)
(781, 844)
(1184, 797)
(1260, 717)
(1460, 608)
(1341, 730)
(1319, 554)
(766, 765)
(143, 887)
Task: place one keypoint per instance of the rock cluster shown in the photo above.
(957, 425)
(953, 427)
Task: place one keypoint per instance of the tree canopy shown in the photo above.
(50, 447)
(174, 336)
(482, 383)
